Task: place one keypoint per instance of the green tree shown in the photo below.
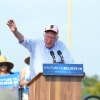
(91, 86)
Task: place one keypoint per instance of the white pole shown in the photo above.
(69, 22)
(0, 52)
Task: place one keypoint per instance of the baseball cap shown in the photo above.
(52, 28)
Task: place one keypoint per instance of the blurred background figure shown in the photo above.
(24, 78)
(5, 65)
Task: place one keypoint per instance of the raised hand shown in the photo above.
(12, 25)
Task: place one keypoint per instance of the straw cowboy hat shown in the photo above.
(3, 60)
(27, 60)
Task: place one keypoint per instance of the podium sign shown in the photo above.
(63, 69)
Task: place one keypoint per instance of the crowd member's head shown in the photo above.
(5, 65)
(51, 35)
(27, 60)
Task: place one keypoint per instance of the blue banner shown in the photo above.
(11, 80)
(63, 69)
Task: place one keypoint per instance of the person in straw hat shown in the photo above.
(24, 78)
(5, 66)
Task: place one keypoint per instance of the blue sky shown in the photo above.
(31, 16)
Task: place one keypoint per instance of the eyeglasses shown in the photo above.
(3, 64)
(51, 38)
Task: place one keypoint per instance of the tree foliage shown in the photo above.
(91, 86)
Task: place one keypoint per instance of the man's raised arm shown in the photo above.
(13, 28)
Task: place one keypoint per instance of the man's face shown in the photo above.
(50, 38)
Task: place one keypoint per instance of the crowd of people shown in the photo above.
(41, 51)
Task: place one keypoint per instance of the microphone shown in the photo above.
(53, 56)
(61, 56)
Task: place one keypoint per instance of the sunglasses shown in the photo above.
(3, 64)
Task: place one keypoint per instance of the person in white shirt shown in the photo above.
(24, 78)
(40, 49)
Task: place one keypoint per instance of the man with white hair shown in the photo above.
(40, 49)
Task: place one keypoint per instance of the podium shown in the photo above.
(59, 84)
